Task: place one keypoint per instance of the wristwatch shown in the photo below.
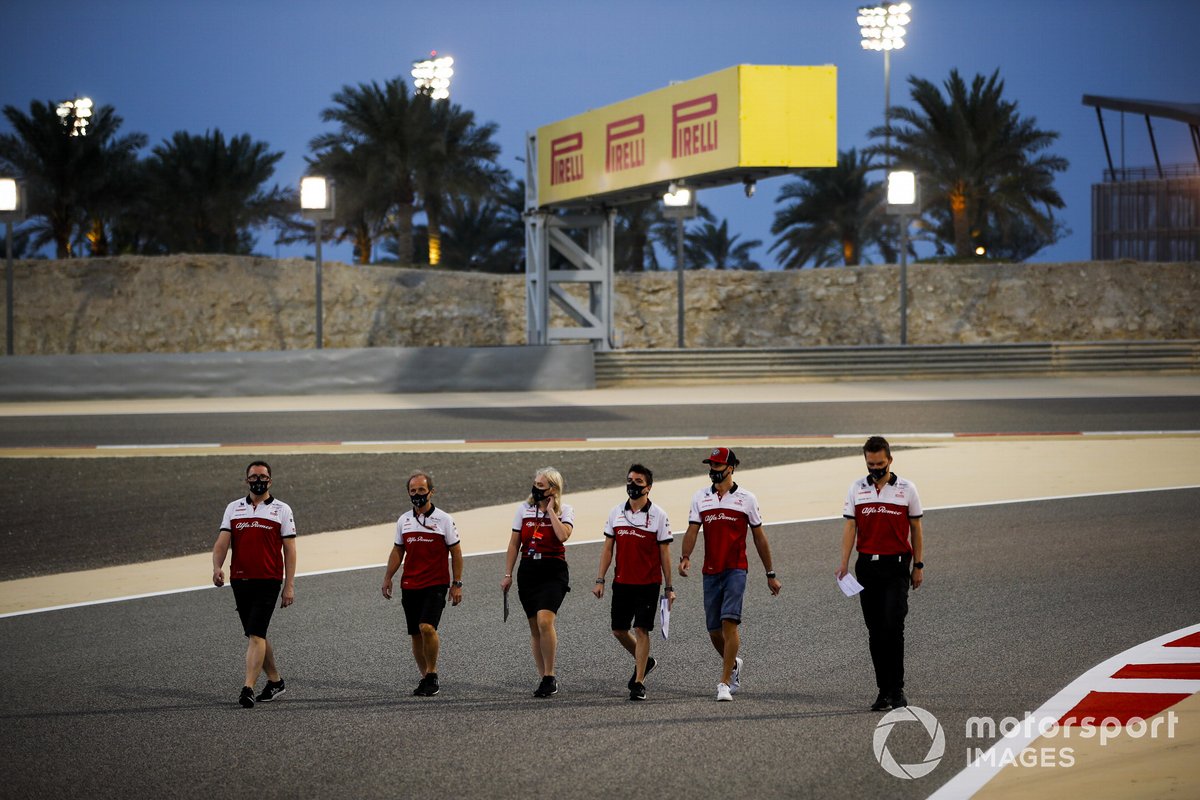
(456, 583)
(918, 565)
(771, 574)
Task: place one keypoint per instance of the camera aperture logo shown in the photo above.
(937, 742)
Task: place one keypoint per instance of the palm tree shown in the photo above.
(457, 159)
(68, 178)
(379, 130)
(711, 247)
(208, 192)
(983, 167)
(831, 215)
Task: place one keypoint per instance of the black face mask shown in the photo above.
(634, 491)
(537, 494)
(418, 500)
(258, 487)
(717, 475)
(877, 474)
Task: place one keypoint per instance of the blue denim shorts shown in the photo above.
(723, 594)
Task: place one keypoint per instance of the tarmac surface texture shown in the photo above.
(1021, 596)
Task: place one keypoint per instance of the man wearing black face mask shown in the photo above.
(727, 513)
(640, 533)
(883, 514)
(425, 536)
(262, 533)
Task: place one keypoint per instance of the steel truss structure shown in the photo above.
(549, 242)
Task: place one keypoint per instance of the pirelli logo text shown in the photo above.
(694, 126)
(625, 144)
(566, 159)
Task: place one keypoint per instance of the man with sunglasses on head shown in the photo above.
(425, 539)
(640, 533)
(726, 512)
(262, 533)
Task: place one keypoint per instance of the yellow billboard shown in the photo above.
(739, 120)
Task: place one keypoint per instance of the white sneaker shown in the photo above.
(735, 679)
(723, 693)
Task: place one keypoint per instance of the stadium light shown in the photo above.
(317, 204)
(884, 28)
(76, 114)
(431, 76)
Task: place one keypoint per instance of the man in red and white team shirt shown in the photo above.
(883, 513)
(726, 512)
(262, 533)
(640, 533)
(425, 537)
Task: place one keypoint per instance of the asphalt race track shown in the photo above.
(138, 697)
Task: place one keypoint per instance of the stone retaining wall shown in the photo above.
(188, 303)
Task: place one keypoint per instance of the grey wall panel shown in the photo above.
(381, 369)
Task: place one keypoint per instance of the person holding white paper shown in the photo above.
(640, 534)
(883, 515)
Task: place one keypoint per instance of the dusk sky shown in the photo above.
(268, 68)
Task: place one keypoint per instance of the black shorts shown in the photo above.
(255, 603)
(634, 602)
(423, 605)
(542, 583)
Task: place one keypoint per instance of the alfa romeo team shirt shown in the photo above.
(637, 536)
(882, 517)
(257, 535)
(537, 534)
(726, 521)
(426, 541)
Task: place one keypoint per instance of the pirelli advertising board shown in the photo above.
(742, 118)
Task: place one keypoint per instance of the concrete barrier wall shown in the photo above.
(380, 369)
(198, 304)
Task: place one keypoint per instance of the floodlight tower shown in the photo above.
(884, 28)
(76, 114)
(432, 75)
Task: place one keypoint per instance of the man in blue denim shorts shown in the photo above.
(726, 512)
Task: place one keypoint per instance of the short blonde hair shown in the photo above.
(555, 479)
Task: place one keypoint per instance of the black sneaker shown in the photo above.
(898, 700)
(547, 688)
(650, 665)
(882, 703)
(247, 697)
(431, 684)
(638, 692)
(272, 690)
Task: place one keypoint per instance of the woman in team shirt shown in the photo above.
(540, 529)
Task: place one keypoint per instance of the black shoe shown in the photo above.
(650, 665)
(898, 700)
(247, 697)
(547, 688)
(638, 692)
(882, 703)
(431, 684)
(272, 690)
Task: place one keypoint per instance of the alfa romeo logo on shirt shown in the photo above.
(937, 744)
